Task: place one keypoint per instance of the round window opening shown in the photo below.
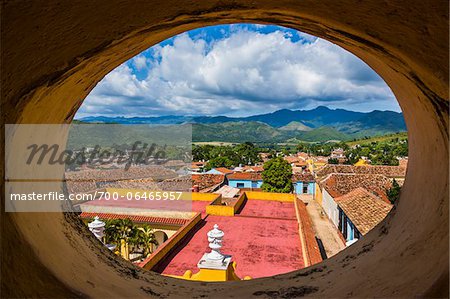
(235, 152)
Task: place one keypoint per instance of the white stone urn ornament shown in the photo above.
(215, 243)
(97, 227)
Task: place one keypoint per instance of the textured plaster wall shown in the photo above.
(54, 52)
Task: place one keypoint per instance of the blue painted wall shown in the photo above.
(298, 187)
(344, 221)
(246, 183)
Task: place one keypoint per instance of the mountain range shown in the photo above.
(319, 124)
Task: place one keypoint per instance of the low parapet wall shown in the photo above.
(310, 248)
(216, 207)
(170, 244)
(196, 196)
(284, 197)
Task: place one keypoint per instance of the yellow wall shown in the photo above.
(220, 210)
(197, 196)
(318, 194)
(216, 208)
(240, 202)
(361, 162)
(285, 197)
(213, 275)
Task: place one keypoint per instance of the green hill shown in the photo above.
(383, 138)
(295, 126)
(235, 132)
(260, 132)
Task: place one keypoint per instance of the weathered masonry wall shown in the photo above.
(54, 52)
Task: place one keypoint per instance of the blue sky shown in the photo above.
(238, 70)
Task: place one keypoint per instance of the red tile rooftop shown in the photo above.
(338, 184)
(389, 171)
(263, 240)
(268, 209)
(122, 202)
(249, 176)
(205, 181)
(363, 208)
(224, 170)
(199, 206)
(137, 218)
(260, 247)
(303, 177)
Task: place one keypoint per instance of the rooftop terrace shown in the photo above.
(263, 239)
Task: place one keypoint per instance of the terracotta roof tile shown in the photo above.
(224, 170)
(88, 180)
(137, 218)
(291, 159)
(303, 177)
(252, 169)
(338, 184)
(204, 180)
(389, 171)
(364, 209)
(246, 176)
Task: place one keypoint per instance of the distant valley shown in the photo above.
(317, 125)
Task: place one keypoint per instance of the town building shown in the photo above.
(197, 166)
(247, 180)
(303, 182)
(359, 212)
(339, 184)
(205, 182)
(219, 170)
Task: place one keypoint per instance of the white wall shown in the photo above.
(330, 207)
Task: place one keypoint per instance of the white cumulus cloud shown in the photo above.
(244, 73)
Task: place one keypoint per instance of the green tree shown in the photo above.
(247, 153)
(112, 235)
(146, 238)
(218, 162)
(393, 193)
(277, 176)
(352, 156)
(333, 161)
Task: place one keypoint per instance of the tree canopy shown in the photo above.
(277, 176)
(393, 193)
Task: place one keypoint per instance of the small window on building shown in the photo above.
(305, 188)
(240, 185)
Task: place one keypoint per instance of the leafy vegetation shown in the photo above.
(226, 156)
(318, 125)
(320, 149)
(333, 161)
(382, 150)
(379, 153)
(397, 137)
(393, 193)
(139, 239)
(277, 176)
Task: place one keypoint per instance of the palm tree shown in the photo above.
(126, 230)
(147, 239)
(112, 235)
